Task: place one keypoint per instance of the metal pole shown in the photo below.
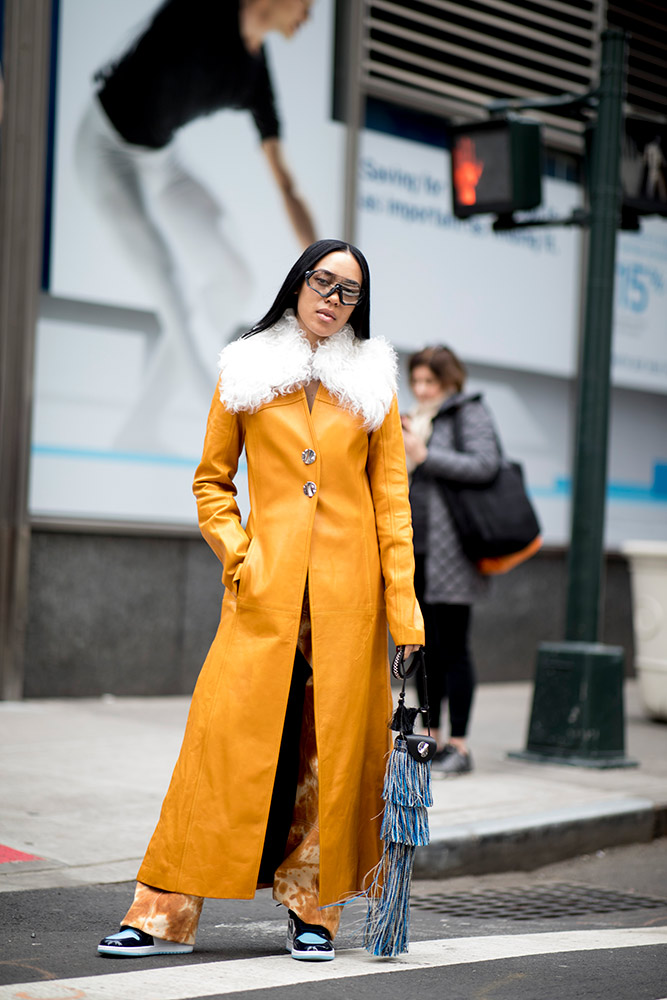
(354, 111)
(590, 464)
(26, 67)
(577, 717)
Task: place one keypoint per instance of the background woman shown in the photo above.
(446, 581)
(323, 564)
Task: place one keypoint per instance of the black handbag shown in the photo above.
(421, 748)
(495, 521)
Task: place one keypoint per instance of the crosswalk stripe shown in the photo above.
(236, 976)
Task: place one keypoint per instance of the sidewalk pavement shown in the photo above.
(82, 781)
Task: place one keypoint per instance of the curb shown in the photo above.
(522, 843)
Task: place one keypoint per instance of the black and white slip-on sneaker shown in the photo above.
(132, 943)
(308, 942)
(453, 762)
(442, 753)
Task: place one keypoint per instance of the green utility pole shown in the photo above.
(590, 465)
(577, 713)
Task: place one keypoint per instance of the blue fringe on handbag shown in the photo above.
(407, 795)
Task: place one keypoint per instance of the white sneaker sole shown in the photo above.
(312, 956)
(143, 951)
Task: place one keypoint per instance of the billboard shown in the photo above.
(508, 299)
(504, 298)
(639, 359)
(160, 254)
(189, 170)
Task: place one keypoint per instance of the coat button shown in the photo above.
(308, 456)
(310, 489)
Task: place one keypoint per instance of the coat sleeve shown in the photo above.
(388, 477)
(214, 489)
(479, 461)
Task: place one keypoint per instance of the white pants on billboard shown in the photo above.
(168, 225)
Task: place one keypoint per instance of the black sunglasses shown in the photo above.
(325, 284)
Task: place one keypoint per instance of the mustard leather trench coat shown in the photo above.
(352, 539)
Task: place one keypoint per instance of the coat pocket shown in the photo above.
(243, 574)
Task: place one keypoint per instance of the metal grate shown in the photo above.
(647, 56)
(452, 58)
(535, 902)
(455, 56)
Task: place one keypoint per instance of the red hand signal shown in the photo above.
(467, 171)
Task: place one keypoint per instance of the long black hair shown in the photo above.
(286, 297)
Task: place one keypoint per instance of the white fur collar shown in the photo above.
(360, 374)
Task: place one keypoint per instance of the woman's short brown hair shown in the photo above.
(444, 364)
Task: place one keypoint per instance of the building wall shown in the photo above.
(118, 615)
(129, 615)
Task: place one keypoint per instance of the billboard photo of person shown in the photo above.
(194, 58)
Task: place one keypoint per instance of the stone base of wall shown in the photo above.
(119, 615)
(527, 607)
(132, 615)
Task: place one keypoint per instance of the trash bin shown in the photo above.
(648, 573)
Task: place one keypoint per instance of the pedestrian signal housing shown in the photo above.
(496, 167)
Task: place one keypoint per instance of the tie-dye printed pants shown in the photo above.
(174, 916)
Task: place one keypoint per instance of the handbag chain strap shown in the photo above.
(402, 671)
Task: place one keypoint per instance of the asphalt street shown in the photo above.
(592, 927)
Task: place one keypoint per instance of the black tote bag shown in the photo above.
(495, 521)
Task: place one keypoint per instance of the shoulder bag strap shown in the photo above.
(458, 431)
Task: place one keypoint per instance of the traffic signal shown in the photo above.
(496, 167)
(644, 167)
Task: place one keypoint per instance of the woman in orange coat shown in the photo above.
(324, 563)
